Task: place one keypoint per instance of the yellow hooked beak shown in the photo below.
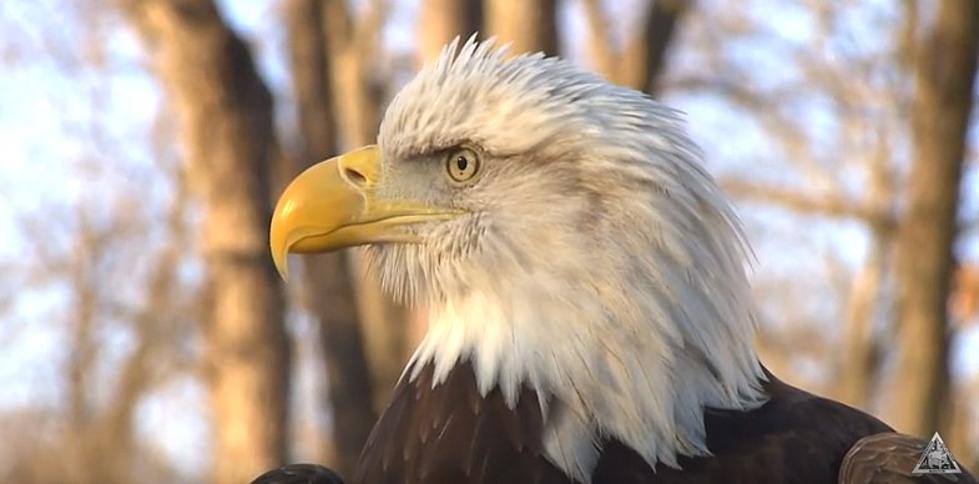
(333, 205)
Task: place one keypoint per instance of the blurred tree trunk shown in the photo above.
(860, 358)
(353, 47)
(860, 361)
(529, 25)
(225, 112)
(640, 63)
(958, 437)
(352, 44)
(945, 65)
(863, 350)
(329, 285)
(439, 21)
(645, 52)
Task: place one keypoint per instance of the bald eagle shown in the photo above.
(590, 314)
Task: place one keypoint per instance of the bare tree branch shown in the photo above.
(641, 62)
(822, 205)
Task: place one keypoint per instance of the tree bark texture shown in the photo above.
(644, 57)
(945, 65)
(440, 21)
(225, 114)
(528, 25)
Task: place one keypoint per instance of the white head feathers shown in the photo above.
(600, 266)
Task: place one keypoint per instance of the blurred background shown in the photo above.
(144, 335)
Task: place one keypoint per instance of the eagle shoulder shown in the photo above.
(450, 433)
(796, 437)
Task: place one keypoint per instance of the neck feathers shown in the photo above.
(604, 359)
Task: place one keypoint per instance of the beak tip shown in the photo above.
(281, 265)
(280, 255)
(284, 273)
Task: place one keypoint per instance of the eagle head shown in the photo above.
(563, 235)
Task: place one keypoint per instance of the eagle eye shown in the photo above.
(462, 165)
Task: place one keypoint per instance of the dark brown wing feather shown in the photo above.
(794, 438)
(451, 435)
(889, 458)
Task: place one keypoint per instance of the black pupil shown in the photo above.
(462, 163)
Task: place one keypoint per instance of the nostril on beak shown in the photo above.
(355, 177)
